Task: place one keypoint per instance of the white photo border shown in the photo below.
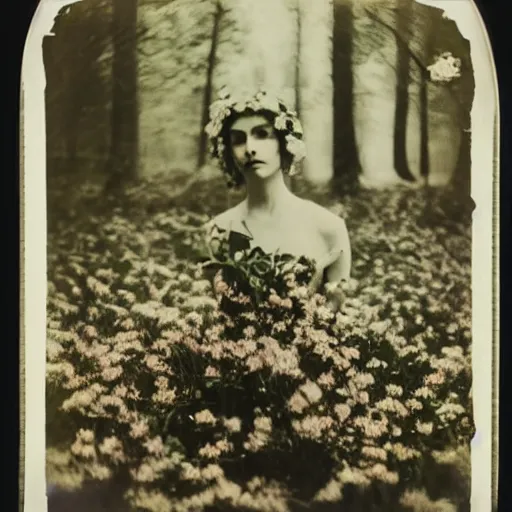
(485, 270)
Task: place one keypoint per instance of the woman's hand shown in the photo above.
(335, 295)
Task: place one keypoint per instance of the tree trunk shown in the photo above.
(374, 71)
(424, 129)
(124, 141)
(203, 138)
(78, 71)
(316, 88)
(346, 160)
(402, 91)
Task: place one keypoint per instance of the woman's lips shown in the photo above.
(253, 163)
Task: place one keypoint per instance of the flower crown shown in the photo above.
(286, 122)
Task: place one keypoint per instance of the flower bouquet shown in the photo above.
(246, 395)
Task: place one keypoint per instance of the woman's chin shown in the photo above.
(262, 173)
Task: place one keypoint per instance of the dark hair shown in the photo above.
(230, 166)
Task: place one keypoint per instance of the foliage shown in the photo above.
(222, 385)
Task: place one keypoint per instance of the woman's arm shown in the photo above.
(338, 270)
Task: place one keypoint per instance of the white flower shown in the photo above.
(213, 129)
(281, 122)
(267, 102)
(205, 416)
(240, 106)
(297, 126)
(224, 93)
(445, 69)
(296, 147)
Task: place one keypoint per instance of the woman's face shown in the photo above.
(255, 146)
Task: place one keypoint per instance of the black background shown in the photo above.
(498, 26)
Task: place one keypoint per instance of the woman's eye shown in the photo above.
(237, 139)
(262, 133)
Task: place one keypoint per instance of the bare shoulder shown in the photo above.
(226, 219)
(323, 218)
(330, 225)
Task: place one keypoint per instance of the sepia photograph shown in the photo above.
(261, 239)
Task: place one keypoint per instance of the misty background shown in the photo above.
(129, 83)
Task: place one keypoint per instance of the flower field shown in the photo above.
(230, 387)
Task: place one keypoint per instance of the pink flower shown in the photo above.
(112, 373)
(128, 324)
(90, 332)
(219, 285)
(209, 451)
(330, 493)
(394, 390)
(312, 427)
(121, 391)
(211, 372)
(249, 331)
(363, 380)
(396, 431)
(326, 380)
(402, 452)
(279, 327)
(287, 303)
(274, 300)
(85, 436)
(297, 403)
(263, 424)
(413, 404)
(154, 363)
(380, 472)
(350, 353)
(144, 473)
(113, 447)
(190, 472)
(85, 451)
(224, 446)
(254, 363)
(394, 406)
(212, 472)
(362, 397)
(139, 429)
(434, 379)
(164, 395)
(424, 392)
(155, 446)
(342, 411)
(374, 452)
(372, 428)
(256, 441)
(233, 424)
(424, 428)
(205, 417)
(311, 391)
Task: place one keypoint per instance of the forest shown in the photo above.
(129, 85)
(150, 402)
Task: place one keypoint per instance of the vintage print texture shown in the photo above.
(259, 256)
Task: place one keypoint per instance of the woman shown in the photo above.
(257, 141)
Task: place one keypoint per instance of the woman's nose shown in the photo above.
(250, 149)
